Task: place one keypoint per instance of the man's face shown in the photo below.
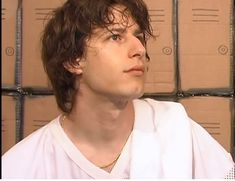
(114, 64)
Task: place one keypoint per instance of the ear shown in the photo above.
(74, 68)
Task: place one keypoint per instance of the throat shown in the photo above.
(104, 120)
(100, 135)
(103, 154)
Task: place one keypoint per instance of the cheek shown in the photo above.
(101, 70)
(104, 66)
(107, 62)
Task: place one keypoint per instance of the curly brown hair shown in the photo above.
(63, 39)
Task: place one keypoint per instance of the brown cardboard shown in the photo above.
(35, 15)
(161, 74)
(9, 8)
(214, 114)
(38, 111)
(204, 44)
(8, 122)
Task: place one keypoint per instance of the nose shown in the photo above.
(137, 49)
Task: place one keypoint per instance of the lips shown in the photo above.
(137, 70)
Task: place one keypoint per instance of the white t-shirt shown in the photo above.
(165, 143)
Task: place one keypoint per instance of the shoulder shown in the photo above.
(163, 107)
(160, 114)
(21, 158)
(33, 140)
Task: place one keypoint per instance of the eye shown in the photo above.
(115, 37)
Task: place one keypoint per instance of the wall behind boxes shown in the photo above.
(192, 62)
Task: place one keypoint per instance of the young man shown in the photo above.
(94, 54)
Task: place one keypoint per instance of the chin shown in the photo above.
(136, 94)
(129, 92)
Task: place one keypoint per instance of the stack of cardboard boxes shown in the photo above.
(192, 62)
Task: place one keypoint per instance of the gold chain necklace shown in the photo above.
(104, 166)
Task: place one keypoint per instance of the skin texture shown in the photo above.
(111, 75)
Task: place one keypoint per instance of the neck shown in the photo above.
(101, 120)
(99, 128)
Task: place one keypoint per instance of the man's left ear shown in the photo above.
(74, 68)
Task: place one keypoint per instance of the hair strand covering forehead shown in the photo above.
(99, 13)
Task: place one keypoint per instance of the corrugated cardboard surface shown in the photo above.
(204, 62)
(161, 74)
(38, 111)
(35, 14)
(8, 122)
(214, 114)
(205, 44)
(9, 8)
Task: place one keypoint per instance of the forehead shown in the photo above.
(120, 14)
(119, 17)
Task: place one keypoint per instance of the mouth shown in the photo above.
(136, 70)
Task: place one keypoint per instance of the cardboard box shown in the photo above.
(9, 8)
(215, 115)
(8, 122)
(161, 74)
(38, 111)
(35, 15)
(205, 44)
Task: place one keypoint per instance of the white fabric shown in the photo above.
(165, 143)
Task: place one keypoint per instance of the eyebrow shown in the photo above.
(119, 30)
(123, 30)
